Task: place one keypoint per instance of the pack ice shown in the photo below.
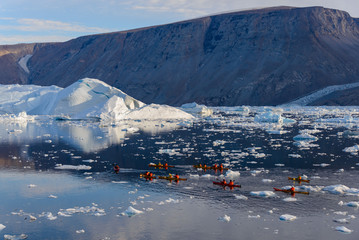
(85, 99)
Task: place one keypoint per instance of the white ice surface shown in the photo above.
(287, 217)
(85, 99)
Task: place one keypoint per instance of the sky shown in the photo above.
(28, 21)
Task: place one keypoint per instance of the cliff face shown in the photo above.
(259, 57)
(11, 71)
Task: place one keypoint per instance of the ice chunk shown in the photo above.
(130, 212)
(225, 218)
(352, 150)
(305, 137)
(232, 174)
(290, 199)
(343, 229)
(2, 226)
(72, 167)
(287, 217)
(15, 237)
(263, 193)
(240, 197)
(80, 231)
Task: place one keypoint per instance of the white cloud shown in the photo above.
(12, 39)
(40, 25)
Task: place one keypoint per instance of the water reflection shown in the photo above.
(85, 136)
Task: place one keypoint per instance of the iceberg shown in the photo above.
(85, 99)
(195, 108)
(272, 117)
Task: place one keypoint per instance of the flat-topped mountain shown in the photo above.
(258, 57)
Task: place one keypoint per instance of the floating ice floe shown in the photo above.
(343, 229)
(272, 117)
(48, 215)
(349, 204)
(267, 180)
(91, 210)
(195, 108)
(290, 199)
(2, 226)
(234, 175)
(72, 167)
(15, 237)
(287, 217)
(341, 220)
(341, 189)
(263, 193)
(31, 186)
(130, 212)
(305, 137)
(240, 197)
(225, 218)
(352, 150)
(80, 231)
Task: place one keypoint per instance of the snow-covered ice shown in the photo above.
(130, 212)
(85, 99)
(225, 218)
(287, 217)
(343, 229)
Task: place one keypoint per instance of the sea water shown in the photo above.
(57, 179)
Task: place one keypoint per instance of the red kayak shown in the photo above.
(226, 184)
(289, 191)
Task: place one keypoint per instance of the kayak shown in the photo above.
(208, 167)
(289, 191)
(172, 178)
(160, 166)
(226, 185)
(146, 176)
(299, 180)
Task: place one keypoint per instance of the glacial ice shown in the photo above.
(287, 217)
(85, 99)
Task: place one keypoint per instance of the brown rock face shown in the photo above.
(259, 57)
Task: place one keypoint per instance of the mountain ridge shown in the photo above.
(254, 57)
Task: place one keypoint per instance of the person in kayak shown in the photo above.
(176, 176)
(299, 177)
(165, 165)
(231, 183)
(215, 165)
(224, 182)
(221, 166)
(292, 189)
(116, 168)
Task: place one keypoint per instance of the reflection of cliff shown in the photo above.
(14, 157)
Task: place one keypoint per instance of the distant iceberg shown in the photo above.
(85, 99)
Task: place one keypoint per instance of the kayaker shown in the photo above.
(116, 167)
(166, 165)
(292, 189)
(221, 166)
(170, 175)
(177, 176)
(200, 165)
(150, 174)
(231, 183)
(159, 164)
(147, 174)
(215, 165)
(299, 177)
(224, 181)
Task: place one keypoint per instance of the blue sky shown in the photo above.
(26, 21)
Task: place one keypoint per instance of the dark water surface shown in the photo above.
(31, 186)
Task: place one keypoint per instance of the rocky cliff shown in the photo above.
(258, 57)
